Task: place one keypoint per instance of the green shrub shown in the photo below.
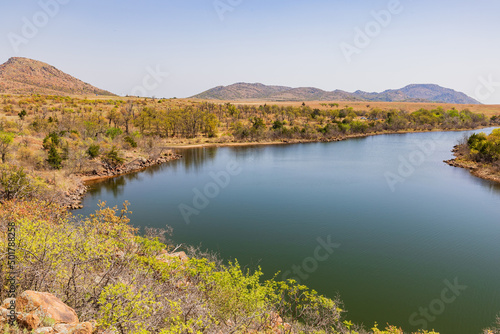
(93, 150)
(52, 139)
(131, 141)
(113, 133)
(113, 156)
(54, 159)
(16, 183)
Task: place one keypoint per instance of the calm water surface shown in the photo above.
(396, 243)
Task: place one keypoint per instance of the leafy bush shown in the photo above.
(52, 139)
(93, 150)
(485, 148)
(16, 183)
(54, 159)
(113, 157)
(6, 140)
(130, 140)
(113, 133)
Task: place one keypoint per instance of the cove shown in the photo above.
(402, 237)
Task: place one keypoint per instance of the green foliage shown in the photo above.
(113, 156)
(233, 293)
(93, 150)
(16, 183)
(22, 114)
(126, 308)
(52, 139)
(113, 133)
(131, 141)
(300, 304)
(485, 148)
(54, 159)
(257, 123)
(6, 140)
(277, 125)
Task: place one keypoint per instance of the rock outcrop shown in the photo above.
(43, 313)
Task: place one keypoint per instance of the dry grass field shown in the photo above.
(487, 109)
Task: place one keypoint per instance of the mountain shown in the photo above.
(242, 90)
(26, 76)
(410, 93)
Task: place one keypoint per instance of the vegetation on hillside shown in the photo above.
(54, 138)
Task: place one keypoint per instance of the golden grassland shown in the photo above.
(487, 109)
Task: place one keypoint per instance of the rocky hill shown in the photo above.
(27, 76)
(410, 93)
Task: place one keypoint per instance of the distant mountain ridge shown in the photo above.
(27, 76)
(410, 93)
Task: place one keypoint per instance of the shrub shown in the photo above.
(22, 114)
(93, 150)
(113, 133)
(130, 140)
(54, 159)
(52, 139)
(16, 183)
(113, 157)
(6, 140)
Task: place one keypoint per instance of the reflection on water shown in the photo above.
(193, 159)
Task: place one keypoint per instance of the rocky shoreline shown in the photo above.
(73, 199)
(479, 170)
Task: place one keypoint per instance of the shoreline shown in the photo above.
(74, 198)
(307, 141)
(477, 169)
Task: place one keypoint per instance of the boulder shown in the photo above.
(45, 306)
(82, 328)
(168, 257)
(7, 302)
(28, 320)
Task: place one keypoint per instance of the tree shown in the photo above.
(54, 158)
(6, 140)
(22, 114)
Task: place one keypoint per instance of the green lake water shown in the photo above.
(381, 221)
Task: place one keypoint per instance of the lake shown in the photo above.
(381, 221)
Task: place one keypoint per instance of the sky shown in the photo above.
(178, 48)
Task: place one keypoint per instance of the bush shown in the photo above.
(93, 150)
(52, 139)
(130, 140)
(113, 157)
(16, 183)
(54, 159)
(113, 133)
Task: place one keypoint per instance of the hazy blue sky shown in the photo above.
(112, 43)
